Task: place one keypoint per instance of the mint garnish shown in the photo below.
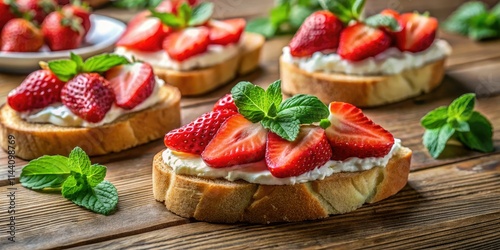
(473, 19)
(345, 10)
(78, 181)
(65, 69)
(380, 20)
(186, 16)
(470, 127)
(282, 118)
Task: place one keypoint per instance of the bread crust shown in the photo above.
(36, 139)
(362, 91)
(222, 201)
(200, 81)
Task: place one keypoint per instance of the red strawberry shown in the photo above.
(227, 31)
(39, 8)
(390, 12)
(418, 32)
(238, 141)
(226, 102)
(186, 43)
(38, 90)
(195, 136)
(81, 11)
(320, 31)
(7, 12)
(20, 35)
(359, 41)
(62, 31)
(132, 83)
(309, 151)
(352, 134)
(89, 96)
(144, 34)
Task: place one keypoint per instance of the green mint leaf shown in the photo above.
(64, 69)
(306, 108)
(435, 139)
(96, 174)
(496, 10)
(286, 126)
(462, 107)
(380, 20)
(458, 21)
(343, 9)
(79, 161)
(103, 62)
(185, 13)
(435, 118)
(357, 8)
(251, 101)
(78, 60)
(201, 13)
(168, 19)
(482, 32)
(279, 14)
(273, 95)
(102, 199)
(72, 186)
(45, 172)
(480, 136)
(298, 15)
(261, 26)
(459, 125)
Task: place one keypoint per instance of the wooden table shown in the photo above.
(451, 202)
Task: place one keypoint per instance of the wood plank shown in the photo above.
(452, 205)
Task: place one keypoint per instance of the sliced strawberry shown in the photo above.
(145, 34)
(195, 136)
(320, 31)
(359, 41)
(227, 31)
(88, 96)
(132, 83)
(186, 43)
(226, 102)
(38, 90)
(309, 151)
(238, 141)
(418, 32)
(352, 134)
(391, 13)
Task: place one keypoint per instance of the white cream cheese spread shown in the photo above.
(392, 61)
(60, 115)
(258, 172)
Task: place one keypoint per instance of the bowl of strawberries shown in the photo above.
(40, 30)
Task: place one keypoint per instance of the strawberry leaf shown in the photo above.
(201, 14)
(380, 20)
(103, 62)
(168, 19)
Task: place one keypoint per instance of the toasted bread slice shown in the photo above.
(200, 81)
(362, 91)
(219, 200)
(36, 139)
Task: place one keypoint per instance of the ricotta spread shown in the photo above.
(391, 61)
(60, 115)
(258, 173)
(214, 55)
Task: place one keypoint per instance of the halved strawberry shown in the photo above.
(309, 151)
(226, 102)
(360, 41)
(227, 31)
(418, 32)
(194, 137)
(238, 141)
(186, 43)
(38, 90)
(145, 34)
(320, 31)
(132, 83)
(352, 134)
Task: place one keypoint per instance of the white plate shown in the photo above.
(103, 34)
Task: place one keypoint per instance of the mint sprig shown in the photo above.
(473, 19)
(345, 10)
(65, 69)
(186, 16)
(460, 120)
(75, 177)
(282, 118)
(380, 20)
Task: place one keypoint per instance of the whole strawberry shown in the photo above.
(20, 35)
(89, 96)
(62, 31)
(38, 8)
(79, 10)
(320, 31)
(38, 90)
(226, 102)
(195, 136)
(8, 10)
